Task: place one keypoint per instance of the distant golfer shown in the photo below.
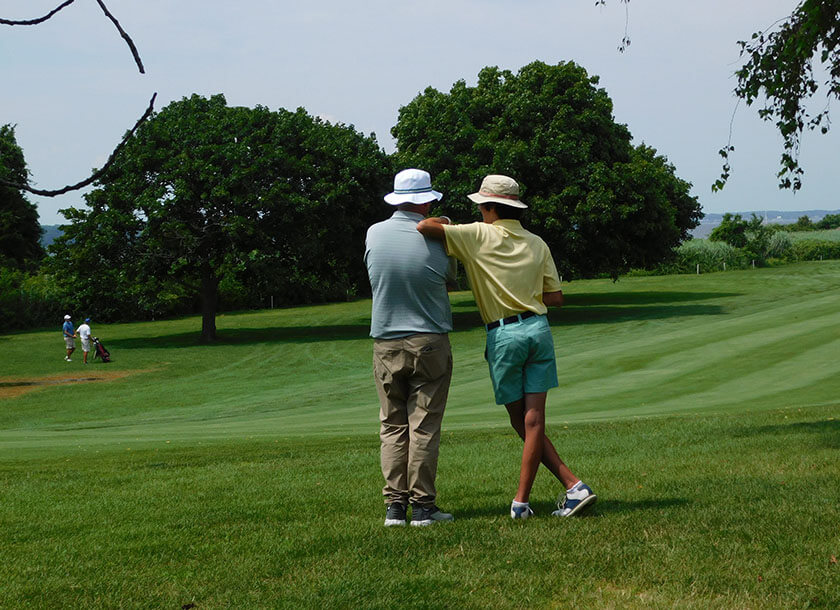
(69, 337)
(83, 333)
(514, 279)
(412, 359)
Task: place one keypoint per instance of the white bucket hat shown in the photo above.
(498, 189)
(66, 317)
(412, 186)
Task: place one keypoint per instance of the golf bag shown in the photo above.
(99, 351)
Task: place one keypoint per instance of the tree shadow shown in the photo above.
(828, 428)
(249, 336)
(607, 315)
(650, 297)
(580, 309)
(604, 308)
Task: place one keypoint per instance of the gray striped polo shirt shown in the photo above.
(408, 275)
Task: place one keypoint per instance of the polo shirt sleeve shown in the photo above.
(462, 241)
(451, 269)
(551, 281)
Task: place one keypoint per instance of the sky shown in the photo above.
(72, 89)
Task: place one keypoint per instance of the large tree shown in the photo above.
(20, 232)
(602, 204)
(204, 191)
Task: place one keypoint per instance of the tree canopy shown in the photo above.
(20, 232)
(205, 193)
(601, 204)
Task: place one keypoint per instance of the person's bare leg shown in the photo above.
(534, 424)
(550, 457)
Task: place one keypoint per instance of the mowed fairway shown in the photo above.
(704, 411)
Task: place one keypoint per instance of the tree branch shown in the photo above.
(96, 175)
(125, 36)
(105, 10)
(39, 19)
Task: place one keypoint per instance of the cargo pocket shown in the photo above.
(433, 361)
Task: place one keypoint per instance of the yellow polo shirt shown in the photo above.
(509, 267)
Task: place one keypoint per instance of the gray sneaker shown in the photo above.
(575, 501)
(521, 512)
(395, 515)
(427, 515)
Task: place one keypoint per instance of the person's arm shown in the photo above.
(452, 274)
(433, 227)
(553, 299)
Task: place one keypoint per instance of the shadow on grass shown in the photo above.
(581, 309)
(829, 429)
(586, 299)
(245, 336)
(598, 308)
(601, 507)
(607, 315)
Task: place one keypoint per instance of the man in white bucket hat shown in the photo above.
(514, 279)
(412, 359)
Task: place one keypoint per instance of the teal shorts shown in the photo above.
(521, 359)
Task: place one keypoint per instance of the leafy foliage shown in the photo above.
(602, 205)
(779, 70)
(204, 192)
(752, 235)
(709, 255)
(815, 249)
(779, 245)
(829, 221)
(804, 223)
(20, 232)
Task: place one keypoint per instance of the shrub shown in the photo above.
(779, 245)
(710, 255)
(815, 249)
(27, 300)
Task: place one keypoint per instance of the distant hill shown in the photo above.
(710, 221)
(51, 233)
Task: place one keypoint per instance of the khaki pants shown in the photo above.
(412, 376)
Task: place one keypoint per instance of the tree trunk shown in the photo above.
(209, 304)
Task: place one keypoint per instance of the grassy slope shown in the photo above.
(739, 341)
(246, 474)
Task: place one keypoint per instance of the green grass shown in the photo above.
(825, 235)
(704, 411)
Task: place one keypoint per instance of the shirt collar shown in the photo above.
(414, 216)
(508, 223)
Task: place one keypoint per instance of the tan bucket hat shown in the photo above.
(496, 188)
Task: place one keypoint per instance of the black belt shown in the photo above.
(510, 320)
